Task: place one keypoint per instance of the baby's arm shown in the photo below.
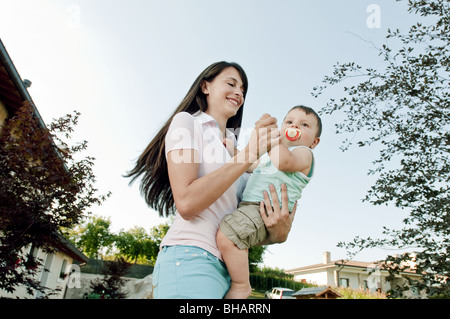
(297, 160)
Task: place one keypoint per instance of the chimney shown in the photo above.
(26, 83)
(326, 257)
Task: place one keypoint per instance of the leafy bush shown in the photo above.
(112, 282)
(349, 293)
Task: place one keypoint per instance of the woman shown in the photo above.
(187, 170)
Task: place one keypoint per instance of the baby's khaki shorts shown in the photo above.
(244, 226)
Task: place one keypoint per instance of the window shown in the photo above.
(33, 251)
(62, 273)
(344, 282)
(45, 274)
(32, 257)
(365, 285)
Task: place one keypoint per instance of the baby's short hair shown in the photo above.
(309, 110)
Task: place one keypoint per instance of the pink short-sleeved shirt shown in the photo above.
(201, 133)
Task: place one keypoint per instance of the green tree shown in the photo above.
(157, 234)
(134, 243)
(94, 236)
(273, 272)
(42, 190)
(403, 108)
(255, 257)
(110, 286)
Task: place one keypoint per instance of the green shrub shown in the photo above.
(349, 293)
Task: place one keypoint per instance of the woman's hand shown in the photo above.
(278, 220)
(264, 136)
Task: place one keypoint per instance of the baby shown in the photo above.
(291, 162)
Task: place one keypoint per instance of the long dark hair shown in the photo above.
(152, 164)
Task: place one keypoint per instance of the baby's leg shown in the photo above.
(237, 264)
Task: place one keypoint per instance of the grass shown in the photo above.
(257, 294)
(347, 293)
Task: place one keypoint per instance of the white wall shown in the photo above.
(53, 280)
(319, 278)
(356, 278)
(327, 277)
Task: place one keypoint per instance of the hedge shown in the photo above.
(263, 282)
(95, 266)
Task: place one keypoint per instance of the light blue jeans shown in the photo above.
(189, 272)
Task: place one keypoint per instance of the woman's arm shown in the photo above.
(192, 194)
(278, 220)
(232, 150)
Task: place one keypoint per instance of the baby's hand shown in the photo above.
(229, 145)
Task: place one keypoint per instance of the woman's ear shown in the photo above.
(204, 86)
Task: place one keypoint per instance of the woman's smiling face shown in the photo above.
(224, 94)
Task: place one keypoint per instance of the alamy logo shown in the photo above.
(374, 278)
(74, 16)
(374, 19)
(74, 277)
(207, 143)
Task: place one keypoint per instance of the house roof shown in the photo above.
(316, 291)
(347, 264)
(334, 263)
(9, 93)
(69, 249)
(309, 291)
(13, 93)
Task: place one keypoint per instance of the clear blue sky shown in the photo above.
(125, 65)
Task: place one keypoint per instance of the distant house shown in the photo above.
(56, 271)
(13, 92)
(353, 274)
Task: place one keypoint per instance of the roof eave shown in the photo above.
(17, 80)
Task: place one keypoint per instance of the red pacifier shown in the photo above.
(292, 133)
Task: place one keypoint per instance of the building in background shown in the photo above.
(13, 93)
(353, 274)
